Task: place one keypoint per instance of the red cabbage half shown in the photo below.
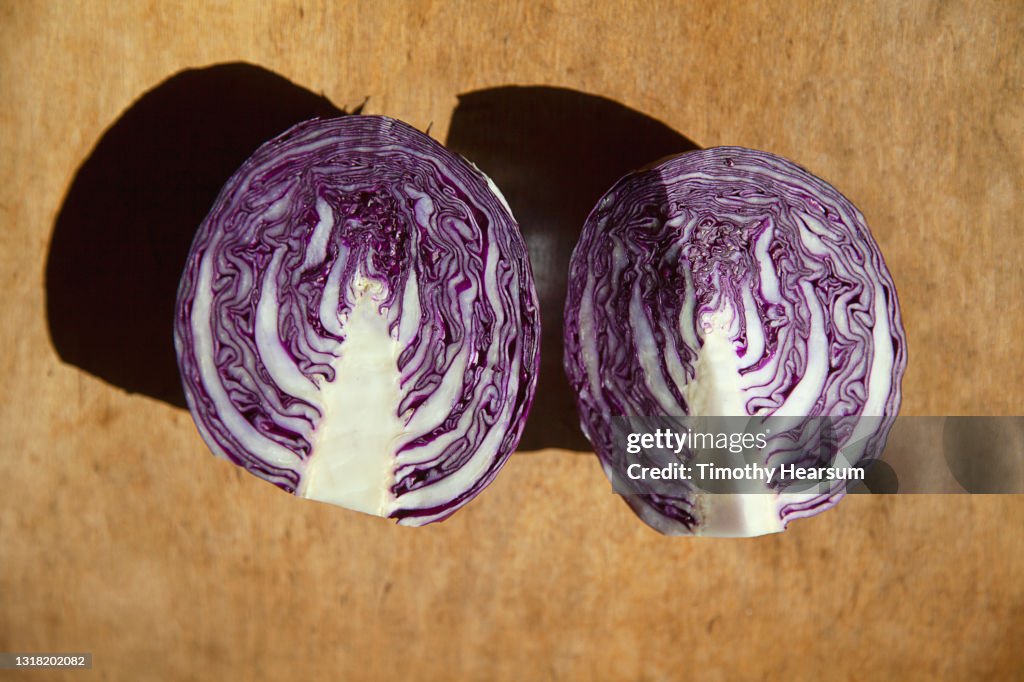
(357, 321)
(722, 282)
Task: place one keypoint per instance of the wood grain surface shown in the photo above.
(120, 535)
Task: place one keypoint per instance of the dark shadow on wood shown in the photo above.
(124, 230)
(553, 152)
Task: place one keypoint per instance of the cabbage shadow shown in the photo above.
(123, 233)
(553, 152)
(985, 454)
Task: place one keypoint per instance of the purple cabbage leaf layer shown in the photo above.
(731, 282)
(357, 321)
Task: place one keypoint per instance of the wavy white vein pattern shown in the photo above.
(330, 218)
(736, 249)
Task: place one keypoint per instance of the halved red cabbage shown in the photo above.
(357, 321)
(722, 282)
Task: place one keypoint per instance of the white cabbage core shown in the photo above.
(353, 456)
(717, 390)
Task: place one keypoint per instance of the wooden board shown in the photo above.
(121, 536)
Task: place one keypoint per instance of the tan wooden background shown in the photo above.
(121, 536)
